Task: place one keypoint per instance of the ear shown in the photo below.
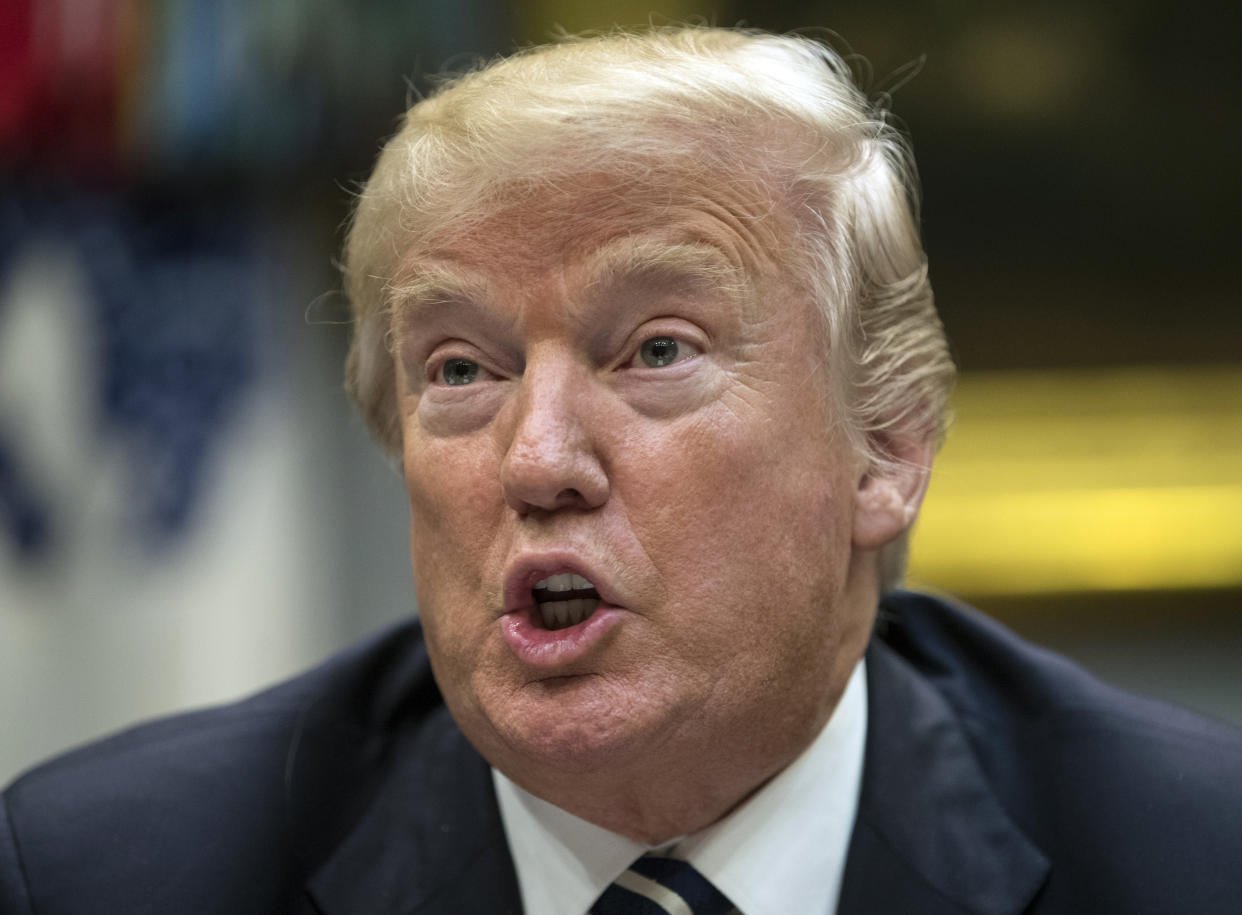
(889, 495)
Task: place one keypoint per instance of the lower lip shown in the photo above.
(549, 649)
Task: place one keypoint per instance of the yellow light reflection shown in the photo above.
(1087, 480)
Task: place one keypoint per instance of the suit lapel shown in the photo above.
(930, 836)
(431, 840)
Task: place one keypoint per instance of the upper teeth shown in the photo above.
(565, 582)
(557, 614)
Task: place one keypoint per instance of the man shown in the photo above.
(647, 321)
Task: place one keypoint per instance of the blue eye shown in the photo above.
(658, 351)
(459, 371)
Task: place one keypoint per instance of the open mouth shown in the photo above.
(564, 600)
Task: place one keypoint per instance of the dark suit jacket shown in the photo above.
(999, 779)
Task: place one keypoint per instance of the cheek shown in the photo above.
(753, 545)
(761, 524)
(454, 507)
(701, 502)
(453, 484)
(451, 476)
(452, 530)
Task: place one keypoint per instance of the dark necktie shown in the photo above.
(661, 886)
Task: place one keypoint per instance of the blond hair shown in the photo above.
(781, 112)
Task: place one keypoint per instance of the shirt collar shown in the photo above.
(781, 851)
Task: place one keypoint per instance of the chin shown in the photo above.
(572, 727)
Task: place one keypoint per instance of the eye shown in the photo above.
(459, 371)
(657, 352)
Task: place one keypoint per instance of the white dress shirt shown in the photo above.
(781, 851)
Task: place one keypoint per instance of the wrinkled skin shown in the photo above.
(715, 496)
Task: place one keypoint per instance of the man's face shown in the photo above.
(627, 389)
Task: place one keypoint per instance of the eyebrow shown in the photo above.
(699, 265)
(436, 297)
(433, 289)
(696, 265)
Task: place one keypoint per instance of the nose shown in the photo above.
(552, 462)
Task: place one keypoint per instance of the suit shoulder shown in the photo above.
(198, 787)
(353, 690)
(992, 676)
(1135, 801)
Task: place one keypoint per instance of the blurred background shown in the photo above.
(189, 509)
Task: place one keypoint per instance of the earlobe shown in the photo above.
(889, 496)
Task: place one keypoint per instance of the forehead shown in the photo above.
(595, 228)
